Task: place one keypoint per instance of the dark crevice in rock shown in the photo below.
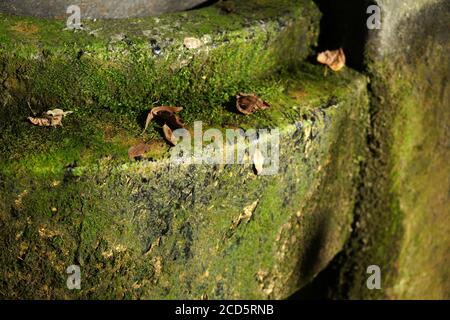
(205, 4)
(323, 285)
(344, 272)
(379, 227)
(343, 25)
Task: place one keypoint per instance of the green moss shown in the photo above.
(401, 208)
(85, 138)
(113, 83)
(172, 233)
(150, 229)
(420, 168)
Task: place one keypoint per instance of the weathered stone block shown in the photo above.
(154, 229)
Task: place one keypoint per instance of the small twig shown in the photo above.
(29, 106)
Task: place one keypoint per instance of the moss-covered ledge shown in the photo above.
(153, 229)
(127, 65)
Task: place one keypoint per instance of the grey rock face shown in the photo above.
(96, 8)
(408, 65)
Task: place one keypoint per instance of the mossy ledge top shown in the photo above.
(151, 229)
(114, 71)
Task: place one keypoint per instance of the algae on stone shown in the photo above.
(403, 210)
(153, 229)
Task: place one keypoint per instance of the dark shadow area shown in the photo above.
(322, 286)
(343, 25)
(311, 263)
(204, 4)
(230, 105)
(312, 253)
(141, 117)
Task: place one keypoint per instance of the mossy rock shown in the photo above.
(155, 229)
(404, 207)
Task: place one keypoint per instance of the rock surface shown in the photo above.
(403, 211)
(155, 229)
(96, 8)
(412, 75)
(363, 176)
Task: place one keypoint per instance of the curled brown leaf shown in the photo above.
(166, 114)
(46, 122)
(249, 103)
(56, 121)
(168, 134)
(335, 59)
(51, 118)
(41, 122)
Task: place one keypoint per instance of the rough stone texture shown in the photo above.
(371, 175)
(402, 220)
(96, 8)
(153, 229)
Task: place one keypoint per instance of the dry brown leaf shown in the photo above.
(51, 118)
(41, 122)
(258, 161)
(335, 59)
(168, 117)
(246, 215)
(26, 28)
(46, 122)
(249, 103)
(58, 112)
(138, 150)
(168, 134)
(167, 114)
(56, 121)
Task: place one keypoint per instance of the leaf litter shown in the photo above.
(249, 103)
(171, 121)
(50, 118)
(335, 59)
